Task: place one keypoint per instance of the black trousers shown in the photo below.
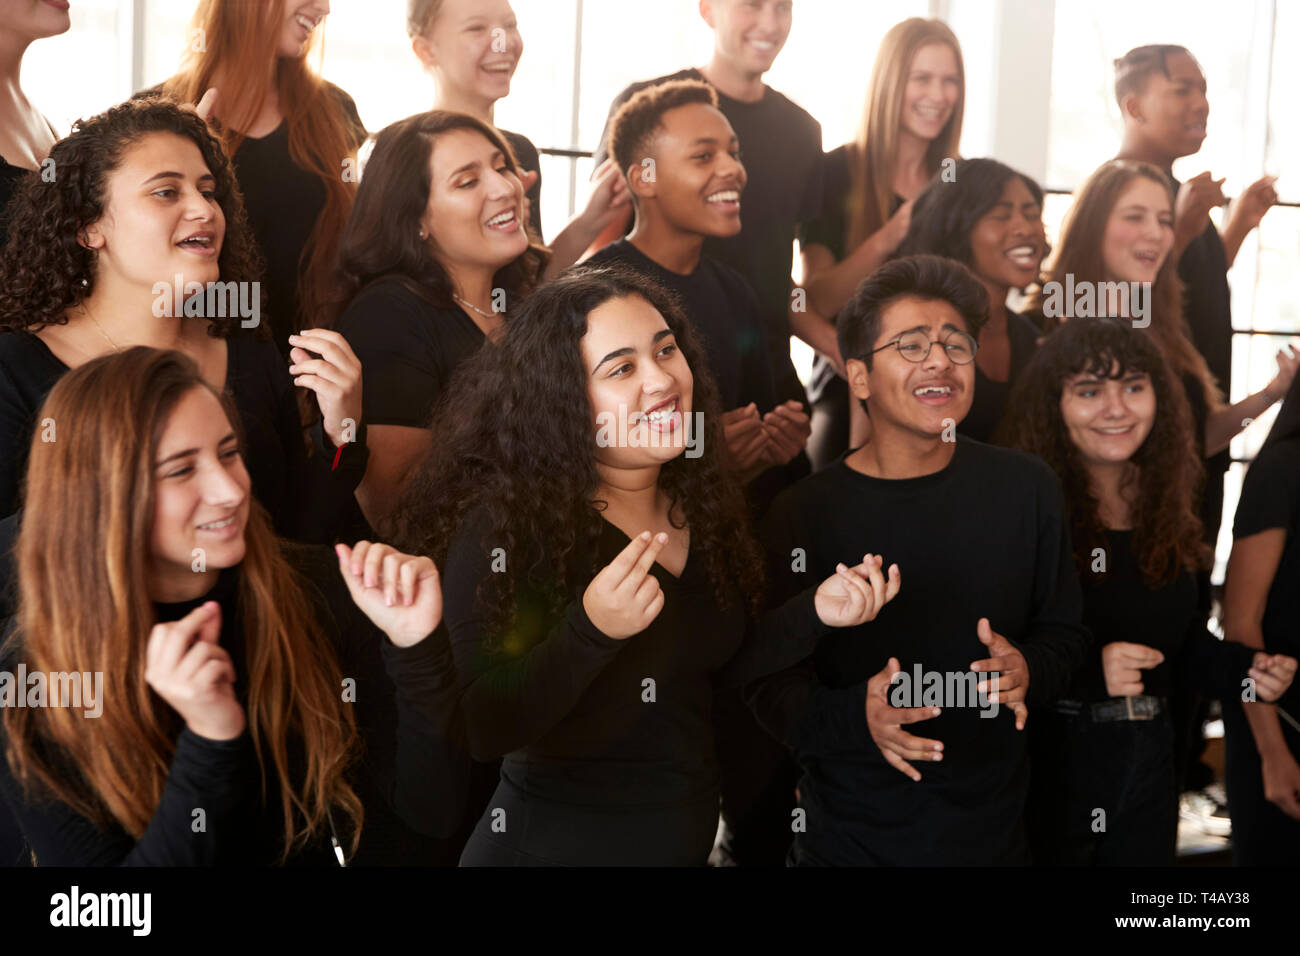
(1262, 835)
(1102, 794)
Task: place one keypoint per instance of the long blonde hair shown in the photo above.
(84, 607)
(1079, 253)
(241, 38)
(873, 154)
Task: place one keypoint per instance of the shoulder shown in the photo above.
(523, 147)
(386, 303)
(344, 102)
(615, 253)
(24, 358)
(1280, 460)
(794, 115)
(1006, 465)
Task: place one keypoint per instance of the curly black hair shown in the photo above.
(1167, 530)
(44, 268)
(516, 444)
(946, 212)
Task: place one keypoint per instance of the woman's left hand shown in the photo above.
(853, 596)
(1272, 674)
(400, 593)
(335, 377)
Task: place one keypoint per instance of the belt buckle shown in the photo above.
(1128, 705)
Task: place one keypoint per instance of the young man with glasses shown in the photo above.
(988, 612)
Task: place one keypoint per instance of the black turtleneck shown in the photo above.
(411, 772)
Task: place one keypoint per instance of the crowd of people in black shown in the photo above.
(610, 585)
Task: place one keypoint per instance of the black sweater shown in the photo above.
(411, 774)
(984, 537)
(567, 705)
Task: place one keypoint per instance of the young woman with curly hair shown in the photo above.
(600, 579)
(434, 259)
(988, 217)
(1100, 404)
(1121, 230)
(216, 684)
(292, 137)
(143, 206)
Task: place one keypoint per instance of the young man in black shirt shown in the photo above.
(988, 586)
(681, 159)
(783, 158)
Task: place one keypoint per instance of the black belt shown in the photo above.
(1143, 707)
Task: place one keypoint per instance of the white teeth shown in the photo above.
(661, 415)
(502, 218)
(217, 525)
(933, 390)
(726, 195)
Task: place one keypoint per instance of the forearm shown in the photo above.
(780, 638)
(1226, 423)
(818, 333)
(570, 245)
(830, 288)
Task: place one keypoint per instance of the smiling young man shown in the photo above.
(782, 146)
(681, 159)
(988, 585)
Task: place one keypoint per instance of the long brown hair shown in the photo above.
(873, 154)
(241, 38)
(1080, 254)
(382, 240)
(84, 606)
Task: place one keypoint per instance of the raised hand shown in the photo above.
(896, 229)
(1012, 683)
(1272, 674)
(1122, 664)
(624, 597)
(788, 428)
(746, 440)
(400, 593)
(609, 194)
(1195, 199)
(189, 670)
(1287, 363)
(853, 596)
(885, 722)
(1248, 209)
(527, 177)
(335, 377)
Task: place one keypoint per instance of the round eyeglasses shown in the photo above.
(915, 346)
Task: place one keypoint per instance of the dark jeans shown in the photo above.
(1262, 835)
(1102, 794)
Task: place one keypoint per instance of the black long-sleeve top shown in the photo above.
(567, 705)
(411, 776)
(984, 537)
(1119, 606)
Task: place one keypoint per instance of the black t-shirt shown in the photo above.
(413, 765)
(528, 160)
(408, 349)
(1270, 498)
(781, 147)
(1119, 606)
(306, 497)
(984, 537)
(990, 399)
(567, 705)
(725, 314)
(283, 202)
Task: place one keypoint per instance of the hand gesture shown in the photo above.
(400, 593)
(609, 194)
(787, 427)
(1012, 683)
(188, 669)
(1287, 362)
(1122, 665)
(527, 177)
(1258, 198)
(1196, 198)
(335, 377)
(624, 597)
(1272, 674)
(853, 596)
(885, 722)
(896, 229)
(746, 440)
